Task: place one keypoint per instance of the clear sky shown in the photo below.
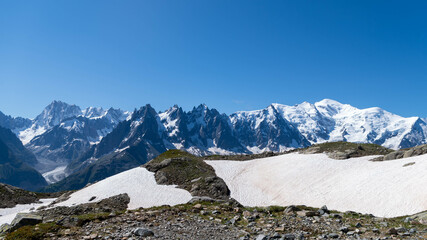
(231, 55)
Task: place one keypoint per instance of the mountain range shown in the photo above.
(73, 147)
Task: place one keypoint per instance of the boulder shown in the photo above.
(339, 155)
(394, 155)
(143, 232)
(24, 219)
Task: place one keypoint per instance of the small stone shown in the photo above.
(392, 231)
(324, 208)
(143, 232)
(333, 235)
(276, 235)
(311, 214)
(291, 209)
(261, 237)
(289, 236)
(344, 229)
(358, 225)
(197, 206)
(216, 212)
(335, 215)
(375, 230)
(232, 221)
(280, 229)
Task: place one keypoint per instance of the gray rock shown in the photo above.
(335, 215)
(143, 232)
(276, 235)
(262, 237)
(4, 228)
(392, 231)
(289, 236)
(24, 219)
(333, 235)
(216, 212)
(339, 155)
(394, 155)
(311, 214)
(291, 208)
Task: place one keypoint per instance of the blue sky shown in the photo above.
(231, 55)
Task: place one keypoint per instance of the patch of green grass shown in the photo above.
(183, 171)
(173, 153)
(358, 149)
(275, 209)
(85, 218)
(36, 232)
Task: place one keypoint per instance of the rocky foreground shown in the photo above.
(204, 218)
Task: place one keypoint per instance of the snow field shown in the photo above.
(138, 183)
(385, 189)
(8, 214)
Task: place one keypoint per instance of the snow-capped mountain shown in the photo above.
(146, 134)
(66, 138)
(63, 132)
(15, 124)
(330, 121)
(51, 116)
(372, 125)
(278, 127)
(200, 131)
(266, 130)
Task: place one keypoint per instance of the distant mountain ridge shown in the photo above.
(204, 131)
(63, 132)
(68, 141)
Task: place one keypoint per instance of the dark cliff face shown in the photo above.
(13, 170)
(267, 129)
(16, 147)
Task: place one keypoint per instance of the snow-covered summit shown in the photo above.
(330, 120)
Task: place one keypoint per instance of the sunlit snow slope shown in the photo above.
(138, 183)
(385, 189)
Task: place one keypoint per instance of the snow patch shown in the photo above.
(138, 183)
(385, 189)
(28, 134)
(8, 214)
